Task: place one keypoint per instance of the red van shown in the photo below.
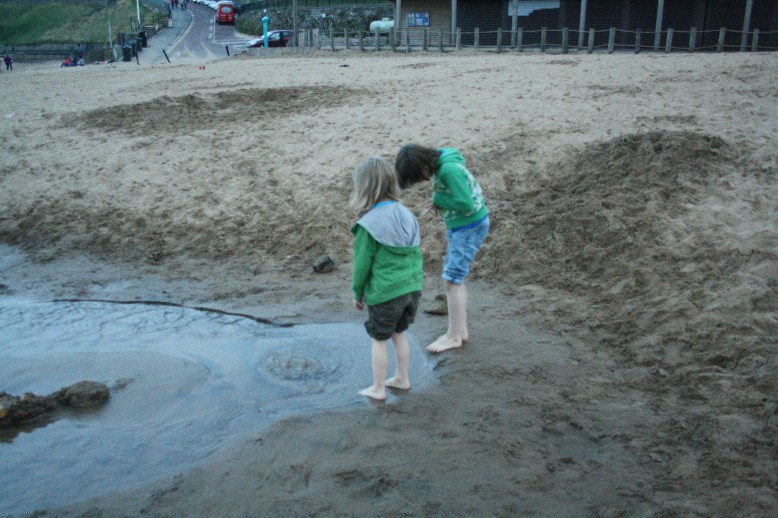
(225, 12)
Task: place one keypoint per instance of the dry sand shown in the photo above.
(624, 328)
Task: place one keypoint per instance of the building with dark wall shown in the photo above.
(443, 17)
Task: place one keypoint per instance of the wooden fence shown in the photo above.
(546, 40)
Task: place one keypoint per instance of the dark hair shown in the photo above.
(415, 163)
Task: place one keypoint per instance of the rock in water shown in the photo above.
(83, 394)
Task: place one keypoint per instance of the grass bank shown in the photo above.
(58, 23)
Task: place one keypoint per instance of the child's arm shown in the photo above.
(364, 250)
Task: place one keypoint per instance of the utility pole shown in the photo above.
(294, 23)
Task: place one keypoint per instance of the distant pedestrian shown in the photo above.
(9, 62)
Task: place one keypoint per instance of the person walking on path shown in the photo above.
(9, 62)
(387, 272)
(457, 198)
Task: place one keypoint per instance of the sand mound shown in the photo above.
(672, 222)
(663, 247)
(201, 111)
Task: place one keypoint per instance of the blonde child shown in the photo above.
(387, 273)
(457, 197)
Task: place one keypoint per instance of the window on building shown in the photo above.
(418, 19)
(527, 7)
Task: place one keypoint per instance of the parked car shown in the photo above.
(275, 38)
(225, 12)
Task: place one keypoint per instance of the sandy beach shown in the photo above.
(623, 352)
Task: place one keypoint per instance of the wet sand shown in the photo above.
(623, 310)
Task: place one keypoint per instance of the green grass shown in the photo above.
(66, 23)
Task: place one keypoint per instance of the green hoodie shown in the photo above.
(387, 254)
(455, 191)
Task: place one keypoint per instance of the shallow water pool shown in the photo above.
(185, 382)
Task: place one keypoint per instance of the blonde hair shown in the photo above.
(374, 181)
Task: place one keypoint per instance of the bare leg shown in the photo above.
(457, 332)
(402, 352)
(379, 361)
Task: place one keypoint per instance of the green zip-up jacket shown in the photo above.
(455, 191)
(387, 254)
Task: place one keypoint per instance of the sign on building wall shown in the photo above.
(418, 19)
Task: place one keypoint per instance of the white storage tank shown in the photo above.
(383, 26)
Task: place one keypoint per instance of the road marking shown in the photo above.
(183, 34)
(231, 42)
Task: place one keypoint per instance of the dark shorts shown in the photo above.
(392, 316)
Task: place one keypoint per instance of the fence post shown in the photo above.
(377, 41)
(747, 25)
(513, 37)
(543, 34)
(638, 35)
(660, 11)
(669, 42)
(332, 39)
(476, 38)
(425, 44)
(499, 40)
(392, 43)
(565, 36)
(611, 39)
(407, 41)
(459, 38)
(722, 35)
(754, 41)
(361, 42)
(520, 39)
(581, 25)
(590, 47)
(440, 40)
(345, 38)
(692, 38)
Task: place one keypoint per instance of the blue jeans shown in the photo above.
(463, 244)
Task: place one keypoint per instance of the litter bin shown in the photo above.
(143, 39)
(126, 53)
(133, 48)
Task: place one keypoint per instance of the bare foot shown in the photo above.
(394, 383)
(444, 343)
(373, 393)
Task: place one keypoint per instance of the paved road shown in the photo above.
(194, 37)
